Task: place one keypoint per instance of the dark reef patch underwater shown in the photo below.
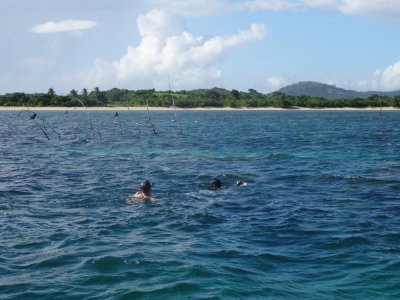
(318, 218)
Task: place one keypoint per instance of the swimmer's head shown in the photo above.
(241, 183)
(145, 186)
(216, 184)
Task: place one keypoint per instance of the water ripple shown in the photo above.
(318, 218)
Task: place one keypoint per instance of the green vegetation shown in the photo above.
(215, 97)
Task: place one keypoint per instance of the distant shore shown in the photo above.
(138, 108)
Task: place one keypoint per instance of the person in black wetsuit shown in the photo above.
(215, 184)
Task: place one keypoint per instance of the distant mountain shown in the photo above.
(316, 89)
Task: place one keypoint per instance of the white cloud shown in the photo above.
(160, 24)
(63, 26)
(218, 7)
(388, 79)
(167, 50)
(373, 8)
(193, 7)
(270, 5)
(274, 83)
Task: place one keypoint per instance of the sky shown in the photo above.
(190, 44)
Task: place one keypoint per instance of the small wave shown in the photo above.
(201, 271)
(393, 236)
(328, 176)
(273, 258)
(107, 279)
(131, 200)
(279, 155)
(106, 264)
(6, 206)
(217, 254)
(348, 242)
(206, 218)
(47, 263)
(159, 291)
(179, 287)
(11, 193)
(242, 271)
(354, 179)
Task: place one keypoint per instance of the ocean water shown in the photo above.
(319, 217)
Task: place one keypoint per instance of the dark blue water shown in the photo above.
(319, 218)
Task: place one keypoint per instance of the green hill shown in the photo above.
(316, 89)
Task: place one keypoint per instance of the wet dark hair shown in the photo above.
(216, 184)
(145, 186)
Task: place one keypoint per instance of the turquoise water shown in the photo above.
(319, 218)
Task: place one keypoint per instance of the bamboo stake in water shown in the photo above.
(97, 117)
(149, 119)
(51, 127)
(381, 114)
(32, 116)
(119, 122)
(88, 115)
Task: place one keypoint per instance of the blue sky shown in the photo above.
(237, 44)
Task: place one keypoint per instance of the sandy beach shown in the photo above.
(122, 108)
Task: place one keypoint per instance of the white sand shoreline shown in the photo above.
(122, 108)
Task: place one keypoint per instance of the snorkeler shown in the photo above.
(215, 184)
(145, 190)
(241, 183)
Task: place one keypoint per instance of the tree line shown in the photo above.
(214, 97)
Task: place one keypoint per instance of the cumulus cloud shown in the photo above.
(387, 79)
(63, 26)
(167, 50)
